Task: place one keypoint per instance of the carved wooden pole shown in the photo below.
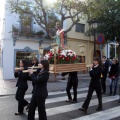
(55, 62)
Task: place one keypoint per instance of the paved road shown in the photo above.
(58, 109)
(7, 87)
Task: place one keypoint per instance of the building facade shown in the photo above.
(77, 37)
(19, 41)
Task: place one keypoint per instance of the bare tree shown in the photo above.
(46, 15)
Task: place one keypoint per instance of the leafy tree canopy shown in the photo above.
(107, 14)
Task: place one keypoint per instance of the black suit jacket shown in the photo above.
(22, 79)
(114, 71)
(40, 81)
(73, 78)
(36, 73)
(95, 75)
(105, 68)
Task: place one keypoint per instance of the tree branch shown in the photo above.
(69, 29)
(61, 12)
(37, 2)
(39, 23)
(44, 15)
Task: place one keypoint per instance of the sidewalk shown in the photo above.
(7, 87)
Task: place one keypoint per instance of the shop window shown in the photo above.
(25, 55)
(80, 28)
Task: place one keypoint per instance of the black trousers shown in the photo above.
(89, 96)
(20, 98)
(40, 103)
(68, 88)
(33, 84)
(103, 83)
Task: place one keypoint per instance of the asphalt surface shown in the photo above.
(58, 109)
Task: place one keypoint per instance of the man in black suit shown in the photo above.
(105, 67)
(72, 82)
(95, 74)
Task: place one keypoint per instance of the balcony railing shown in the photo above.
(26, 31)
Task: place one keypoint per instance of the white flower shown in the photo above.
(62, 53)
(70, 54)
(46, 56)
(52, 51)
(69, 51)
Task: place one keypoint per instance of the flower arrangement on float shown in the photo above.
(62, 57)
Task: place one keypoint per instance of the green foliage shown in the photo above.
(47, 37)
(15, 29)
(26, 19)
(40, 33)
(107, 14)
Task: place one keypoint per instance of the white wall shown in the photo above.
(8, 53)
(8, 48)
(74, 34)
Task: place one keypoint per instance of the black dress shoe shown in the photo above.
(70, 100)
(18, 113)
(83, 109)
(99, 109)
(114, 94)
(63, 79)
(110, 94)
(103, 92)
(27, 108)
(73, 101)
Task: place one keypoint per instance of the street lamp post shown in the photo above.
(82, 48)
(94, 26)
(94, 43)
(55, 48)
(40, 50)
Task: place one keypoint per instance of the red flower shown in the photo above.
(59, 51)
(73, 58)
(49, 58)
(67, 58)
(59, 57)
(51, 54)
(63, 56)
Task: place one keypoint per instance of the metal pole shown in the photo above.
(119, 71)
(101, 50)
(107, 50)
(115, 49)
(94, 43)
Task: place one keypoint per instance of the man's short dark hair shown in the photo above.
(104, 57)
(96, 59)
